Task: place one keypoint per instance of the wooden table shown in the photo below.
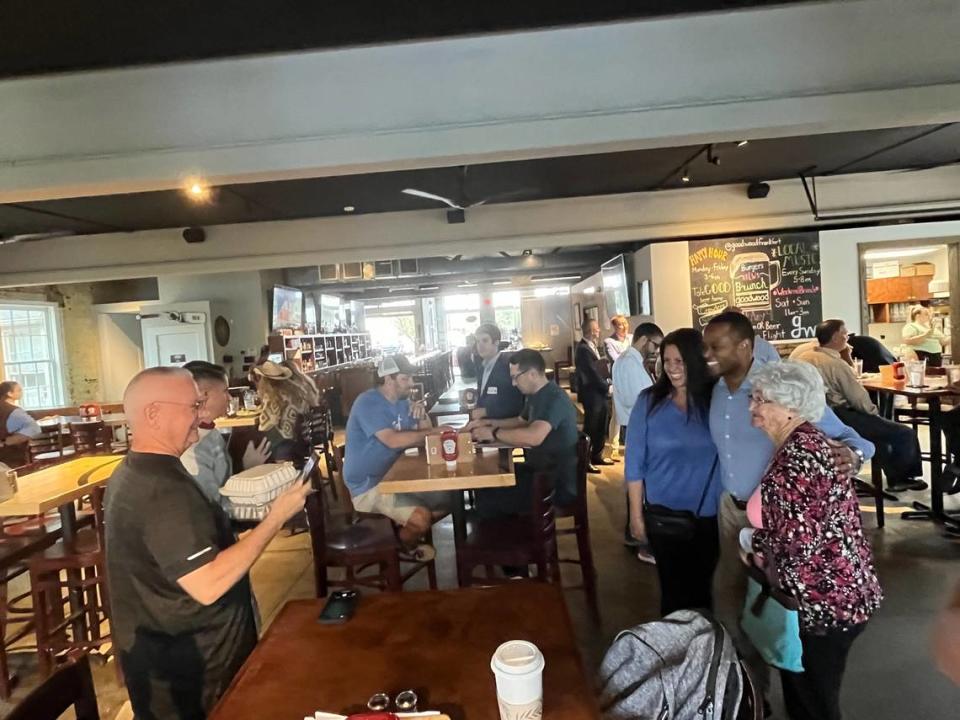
(413, 474)
(236, 421)
(934, 390)
(437, 643)
(60, 486)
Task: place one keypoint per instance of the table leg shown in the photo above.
(459, 529)
(68, 526)
(936, 460)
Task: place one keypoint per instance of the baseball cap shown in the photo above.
(392, 364)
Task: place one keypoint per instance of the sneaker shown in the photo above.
(906, 485)
(421, 553)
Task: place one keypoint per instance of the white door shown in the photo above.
(173, 344)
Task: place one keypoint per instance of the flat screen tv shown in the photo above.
(287, 308)
(619, 293)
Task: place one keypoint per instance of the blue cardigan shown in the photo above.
(499, 396)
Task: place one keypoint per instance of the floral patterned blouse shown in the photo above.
(813, 534)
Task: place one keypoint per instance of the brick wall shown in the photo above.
(81, 350)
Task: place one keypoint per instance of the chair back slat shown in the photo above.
(89, 437)
(316, 516)
(70, 685)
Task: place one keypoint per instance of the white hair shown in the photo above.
(796, 386)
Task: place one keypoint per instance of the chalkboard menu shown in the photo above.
(773, 279)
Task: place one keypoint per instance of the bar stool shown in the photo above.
(70, 599)
(577, 510)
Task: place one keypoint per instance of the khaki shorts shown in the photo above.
(400, 506)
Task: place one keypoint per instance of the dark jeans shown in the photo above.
(814, 694)
(950, 423)
(685, 567)
(596, 417)
(898, 449)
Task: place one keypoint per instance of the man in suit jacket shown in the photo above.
(593, 391)
(497, 397)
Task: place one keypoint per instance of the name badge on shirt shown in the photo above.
(492, 390)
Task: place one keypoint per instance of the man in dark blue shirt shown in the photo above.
(497, 397)
(547, 429)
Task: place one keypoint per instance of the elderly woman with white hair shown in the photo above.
(809, 532)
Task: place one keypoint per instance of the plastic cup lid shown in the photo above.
(517, 657)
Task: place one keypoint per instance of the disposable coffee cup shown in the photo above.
(518, 668)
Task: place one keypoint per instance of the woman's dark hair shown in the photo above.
(6, 388)
(699, 380)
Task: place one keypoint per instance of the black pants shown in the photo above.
(950, 423)
(814, 694)
(933, 359)
(685, 567)
(596, 417)
(898, 449)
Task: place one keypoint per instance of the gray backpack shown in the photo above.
(683, 667)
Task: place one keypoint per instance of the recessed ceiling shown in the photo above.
(562, 177)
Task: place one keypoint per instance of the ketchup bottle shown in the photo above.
(448, 445)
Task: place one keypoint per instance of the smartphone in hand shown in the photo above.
(340, 607)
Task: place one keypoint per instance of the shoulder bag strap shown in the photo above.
(708, 484)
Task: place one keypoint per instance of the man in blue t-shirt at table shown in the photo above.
(382, 424)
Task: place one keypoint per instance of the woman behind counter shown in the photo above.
(924, 339)
(812, 534)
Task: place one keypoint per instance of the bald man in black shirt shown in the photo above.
(182, 608)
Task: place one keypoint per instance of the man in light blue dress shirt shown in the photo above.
(745, 452)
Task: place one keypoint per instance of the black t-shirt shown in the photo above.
(177, 655)
(559, 449)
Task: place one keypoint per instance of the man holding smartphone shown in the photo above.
(182, 607)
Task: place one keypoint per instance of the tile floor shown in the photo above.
(890, 673)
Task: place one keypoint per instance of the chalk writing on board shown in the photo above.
(773, 279)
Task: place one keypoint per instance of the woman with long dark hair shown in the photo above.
(672, 473)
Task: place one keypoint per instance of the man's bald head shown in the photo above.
(161, 408)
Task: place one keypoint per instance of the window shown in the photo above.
(506, 311)
(32, 354)
(462, 316)
(393, 333)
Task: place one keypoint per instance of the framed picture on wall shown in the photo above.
(577, 317)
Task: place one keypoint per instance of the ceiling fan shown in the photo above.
(456, 214)
(30, 237)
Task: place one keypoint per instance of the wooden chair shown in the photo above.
(874, 489)
(581, 529)
(77, 567)
(71, 685)
(349, 532)
(47, 447)
(16, 613)
(517, 540)
(338, 541)
(90, 438)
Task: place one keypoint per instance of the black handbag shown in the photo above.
(675, 524)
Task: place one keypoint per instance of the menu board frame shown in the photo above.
(774, 279)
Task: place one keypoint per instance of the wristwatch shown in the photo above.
(859, 453)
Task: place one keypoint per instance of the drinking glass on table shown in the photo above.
(916, 370)
(858, 366)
